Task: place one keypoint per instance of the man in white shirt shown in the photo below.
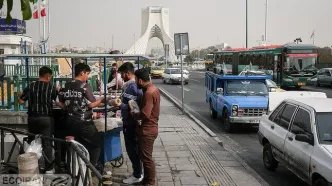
(116, 78)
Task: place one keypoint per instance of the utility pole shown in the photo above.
(246, 23)
(265, 21)
(134, 44)
(112, 42)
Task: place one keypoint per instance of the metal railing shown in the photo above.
(73, 153)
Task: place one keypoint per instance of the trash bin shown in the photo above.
(112, 145)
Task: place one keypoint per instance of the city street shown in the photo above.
(245, 142)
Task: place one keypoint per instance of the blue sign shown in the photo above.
(15, 26)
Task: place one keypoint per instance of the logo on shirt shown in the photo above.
(72, 94)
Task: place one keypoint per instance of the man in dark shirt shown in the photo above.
(130, 92)
(113, 71)
(40, 96)
(78, 99)
(148, 130)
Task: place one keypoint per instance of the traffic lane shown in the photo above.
(245, 142)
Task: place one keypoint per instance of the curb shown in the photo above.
(214, 136)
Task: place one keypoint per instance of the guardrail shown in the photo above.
(73, 152)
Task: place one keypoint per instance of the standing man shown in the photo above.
(113, 70)
(78, 99)
(148, 131)
(116, 79)
(40, 95)
(130, 92)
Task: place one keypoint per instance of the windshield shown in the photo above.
(247, 87)
(324, 127)
(175, 71)
(300, 64)
(208, 57)
(156, 68)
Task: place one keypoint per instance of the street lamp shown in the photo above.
(297, 40)
(246, 23)
(265, 20)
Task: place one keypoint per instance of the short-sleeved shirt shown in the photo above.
(40, 96)
(77, 95)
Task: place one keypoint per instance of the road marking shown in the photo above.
(194, 80)
(186, 89)
(200, 75)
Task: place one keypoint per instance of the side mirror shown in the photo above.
(305, 138)
(220, 90)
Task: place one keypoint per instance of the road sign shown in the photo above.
(181, 43)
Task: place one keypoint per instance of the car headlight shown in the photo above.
(287, 80)
(234, 110)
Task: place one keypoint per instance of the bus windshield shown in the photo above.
(300, 64)
(209, 57)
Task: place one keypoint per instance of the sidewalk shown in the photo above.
(186, 155)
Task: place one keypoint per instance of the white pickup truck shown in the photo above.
(298, 134)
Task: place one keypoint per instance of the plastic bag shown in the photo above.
(35, 146)
(133, 106)
(112, 123)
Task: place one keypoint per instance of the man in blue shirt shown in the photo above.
(130, 92)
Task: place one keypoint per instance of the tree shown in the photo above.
(25, 8)
(189, 58)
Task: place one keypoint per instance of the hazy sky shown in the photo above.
(91, 23)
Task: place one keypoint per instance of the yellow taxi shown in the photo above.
(157, 72)
(273, 87)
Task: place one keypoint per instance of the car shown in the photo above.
(273, 87)
(157, 72)
(324, 77)
(173, 75)
(252, 73)
(298, 134)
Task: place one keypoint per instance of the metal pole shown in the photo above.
(165, 55)
(134, 44)
(246, 23)
(265, 21)
(181, 48)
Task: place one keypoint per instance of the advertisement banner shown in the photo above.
(15, 26)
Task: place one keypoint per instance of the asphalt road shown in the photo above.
(244, 142)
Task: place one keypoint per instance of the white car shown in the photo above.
(298, 134)
(173, 75)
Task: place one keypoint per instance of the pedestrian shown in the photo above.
(79, 100)
(113, 70)
(130, 92)
(40, 96)
(116, 79)
(148, 130)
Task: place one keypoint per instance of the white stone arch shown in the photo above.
(155, 23)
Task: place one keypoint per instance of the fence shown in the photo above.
(74, 156)
(20, 70)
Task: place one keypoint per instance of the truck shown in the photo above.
(237, 99)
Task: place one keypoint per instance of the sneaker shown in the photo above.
(132, 179)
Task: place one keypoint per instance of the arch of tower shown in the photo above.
(155, 23)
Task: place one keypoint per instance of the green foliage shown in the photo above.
(25, 8)
(189, 58)
(144, 62)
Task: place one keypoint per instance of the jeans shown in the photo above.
(146, 148)
(85, 132)
(44, 126)
(132, 147)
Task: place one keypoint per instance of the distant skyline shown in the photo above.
(85, 23)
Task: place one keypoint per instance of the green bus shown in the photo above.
(289, 65)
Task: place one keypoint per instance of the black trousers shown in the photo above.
(132, 149)
(85, 132)
(43, 126)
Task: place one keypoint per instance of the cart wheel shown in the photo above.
(117, 162)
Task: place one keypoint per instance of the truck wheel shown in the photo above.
(270, 162)
(320, 182)
(228, 126)
(213, 113)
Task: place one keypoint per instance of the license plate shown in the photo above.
(301, 84)
(253, 121)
